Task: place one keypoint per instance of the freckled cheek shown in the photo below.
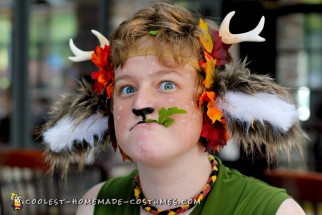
(120, 112)
(193, 113)
(117, 118)
(196, 115)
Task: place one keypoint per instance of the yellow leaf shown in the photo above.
(210, 68)
(205, 38)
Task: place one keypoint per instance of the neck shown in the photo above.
(182, 179)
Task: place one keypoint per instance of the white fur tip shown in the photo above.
(259, 107)
(63, 135)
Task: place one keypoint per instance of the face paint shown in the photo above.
(153, 141)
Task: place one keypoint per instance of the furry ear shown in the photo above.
(77, 128)
(258, 111)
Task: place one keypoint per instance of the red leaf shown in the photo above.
(220, 49)
(98, 87)
(101, 56)
(216, 134)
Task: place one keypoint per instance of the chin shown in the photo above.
(152, 152)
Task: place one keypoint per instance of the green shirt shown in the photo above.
(233, 193)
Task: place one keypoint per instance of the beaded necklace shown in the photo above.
(139, 196)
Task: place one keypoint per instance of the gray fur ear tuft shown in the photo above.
(259, 112)
(77, 128)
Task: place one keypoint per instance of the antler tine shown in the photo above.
(230, 38)
(81, 55)
(101, 38)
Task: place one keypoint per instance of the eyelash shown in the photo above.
(122, 92)
(166, 82)
(124, 88)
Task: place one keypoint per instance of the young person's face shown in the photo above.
(143, 82)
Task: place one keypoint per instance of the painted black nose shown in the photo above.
(142, 112)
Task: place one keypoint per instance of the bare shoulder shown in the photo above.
(291, 207)
(91, 194)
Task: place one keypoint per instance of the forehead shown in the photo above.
(147, 45)
(150, 64)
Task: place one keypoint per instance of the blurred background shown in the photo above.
(35, 71)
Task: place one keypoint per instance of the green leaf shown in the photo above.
(154, 32)
(167, 122)
(175, 110)
(150, 120)
(164, 114)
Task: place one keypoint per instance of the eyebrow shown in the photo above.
(157, 73)
(166, 71)
(122, 77)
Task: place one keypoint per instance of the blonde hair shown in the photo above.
(177, 35)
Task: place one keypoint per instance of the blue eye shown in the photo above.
(127, 90)
(167, 85)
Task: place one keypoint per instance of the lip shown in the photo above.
(141, 122)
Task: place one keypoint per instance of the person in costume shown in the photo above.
(168, 96)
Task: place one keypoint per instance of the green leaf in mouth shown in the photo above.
(164, 116)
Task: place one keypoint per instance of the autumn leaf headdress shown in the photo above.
(214, 51)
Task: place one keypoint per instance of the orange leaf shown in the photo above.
(208, 56)
(213, 112)
(103, 78)
(206, 96)
(109, 90)
(205, 38)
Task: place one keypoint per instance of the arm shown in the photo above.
(91, 194)
(290, 207)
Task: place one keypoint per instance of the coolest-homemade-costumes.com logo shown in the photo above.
(17, 203)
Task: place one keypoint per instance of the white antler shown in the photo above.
(86, 55)
(230, 38)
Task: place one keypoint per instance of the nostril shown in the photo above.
(148, 110)
(143, 111)
(137, 112)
